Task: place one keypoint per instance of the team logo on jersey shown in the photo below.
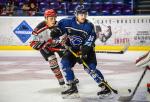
(23, 31)
(75, 40)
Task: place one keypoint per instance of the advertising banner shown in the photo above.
(110, 30)
(118, 30)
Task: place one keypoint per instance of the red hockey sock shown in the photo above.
(148, 68)
(148, 85)
(57, 73)
(148, 88)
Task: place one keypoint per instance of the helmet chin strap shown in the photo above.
(77, 21)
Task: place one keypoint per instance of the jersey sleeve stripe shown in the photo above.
(39, 31)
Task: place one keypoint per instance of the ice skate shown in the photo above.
(76, 81)
(71, 92)
(105, 92)
(62, 84)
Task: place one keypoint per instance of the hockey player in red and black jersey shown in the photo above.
(46, 41)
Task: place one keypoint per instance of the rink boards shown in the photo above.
(97, 48)
(15, 32)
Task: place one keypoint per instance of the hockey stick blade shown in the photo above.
(125, 98)
(110, 52)
(114, 91)
(116, 52)
(125, 47)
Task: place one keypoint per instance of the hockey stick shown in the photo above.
(116, 52)
(109, 52)
(129, 98)
(91, 72)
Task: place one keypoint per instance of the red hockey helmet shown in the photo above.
(50, 13)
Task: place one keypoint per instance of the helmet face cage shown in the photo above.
(80, 9)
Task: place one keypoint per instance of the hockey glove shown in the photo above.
(143, 61)
(85, 51)
(47, 44)
(79, 60)
(55, 33)
(37, 45)
(63, 40)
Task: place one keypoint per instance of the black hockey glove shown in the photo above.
(45, 49)
(85, 51)
(55, 33)
(79, 60)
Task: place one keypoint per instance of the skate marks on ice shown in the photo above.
(83, 95)
(140, 96)
(90, 99)
(52, 90)
(97, 99)
(35, 68)
(55, 92)
(86, 99)
(138, 101)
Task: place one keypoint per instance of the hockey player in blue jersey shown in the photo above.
(81, 38)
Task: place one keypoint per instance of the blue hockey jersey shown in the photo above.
(78, 34)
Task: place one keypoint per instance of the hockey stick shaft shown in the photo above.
(55, 49)
(116, 52)
(92, 72)
(110, 52)
(140, 81)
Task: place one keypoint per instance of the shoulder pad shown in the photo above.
(39, 28)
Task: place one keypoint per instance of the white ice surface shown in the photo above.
(48, 90)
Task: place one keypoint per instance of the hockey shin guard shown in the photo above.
(56, 70)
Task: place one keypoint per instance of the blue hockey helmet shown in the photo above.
(80, 9)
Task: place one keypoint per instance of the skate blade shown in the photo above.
(72, 96)
(107, 96)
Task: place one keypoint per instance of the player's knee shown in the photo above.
(67, 69)
(53, 62)
(65, 64)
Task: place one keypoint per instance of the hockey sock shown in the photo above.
(56, 70)
(148, 87)
(58, 75)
